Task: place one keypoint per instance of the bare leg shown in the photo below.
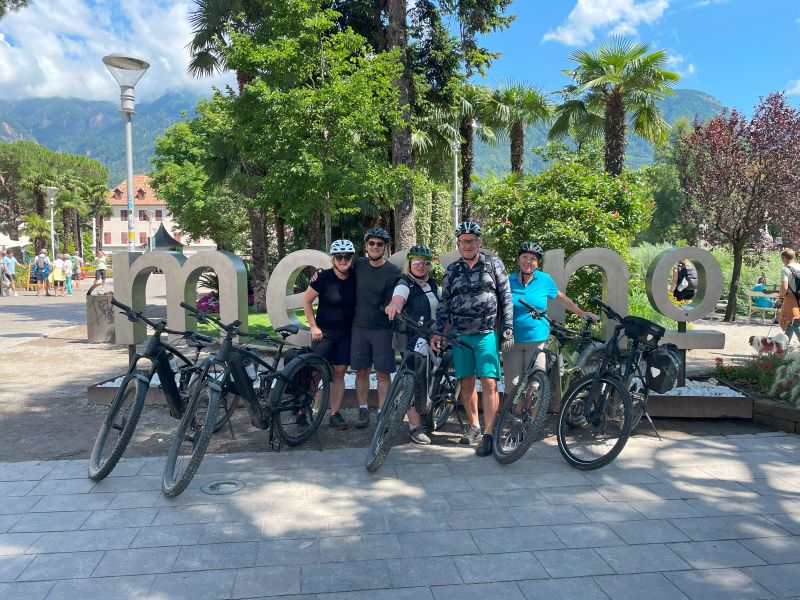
(362, 386)
(489, 402)
(337, 388)
(413, 417)
(383, 387)
(469, 398)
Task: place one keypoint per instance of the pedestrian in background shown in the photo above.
(10, 262)
(68, 273)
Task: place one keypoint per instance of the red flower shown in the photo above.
(718, 361)
(507, 223)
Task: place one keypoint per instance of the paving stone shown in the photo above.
(455, 483)
(241, 531)
(26, 590)
(12, 566)
(781, 580)
(437, 543)
(16, 543)
(62, 502)
(626, 492)
(774, 550)
(789, 522)
(134, 500)
(142, 483)
(81, 541)
(651, 531)
(589, 535)
(728, 528)
(16, 488)
(15, 505)
(472, 500)
(103, 588)
(573, 563)
(520, 497)
(123, 517)
(643, 558)
(359, 547)
(516, 539)
(411, 572)
(344, 577)
(406, 522)
(194, 585)
(59, 486)
(7, 522)
(479, 518)
(486, 483)
(216, 556)
(168, 535)
(60, 521)
(490, 568)
(666, 509)
(137, 561)
(713, 584)
(551, 515)
(718, 554)
(72, 565)
(479, 591)
(266, 581)
(24, 471)
(416, 593)
(632, 587)
(573, 495)
(673, 490)
(614, 476)
(288, 552)
(204, 513)
(578, 588)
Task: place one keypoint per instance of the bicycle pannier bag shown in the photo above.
(663, 365)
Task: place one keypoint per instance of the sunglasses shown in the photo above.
(343, 257)
(376, 244)
(415, 262)
(471, 242)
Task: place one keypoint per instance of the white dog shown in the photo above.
(776, 344)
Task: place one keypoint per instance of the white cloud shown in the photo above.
(708, 2)
(793, 88)
(678, 64)
(618, 16)
(64, 59)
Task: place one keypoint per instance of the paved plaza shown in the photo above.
(700, 518)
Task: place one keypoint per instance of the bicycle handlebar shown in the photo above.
(135, 315)
(610, 312)
(430, 332)
(230, 328)
(560, 328)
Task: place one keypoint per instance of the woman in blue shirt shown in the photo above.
(535, 287)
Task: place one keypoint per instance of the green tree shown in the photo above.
(9, 5)
(621, 81)
(517, 105)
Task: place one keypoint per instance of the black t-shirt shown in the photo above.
(373, 285)
(337, 300)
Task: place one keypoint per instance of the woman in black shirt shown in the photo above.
(331, 326)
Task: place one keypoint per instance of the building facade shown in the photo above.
(150, 211)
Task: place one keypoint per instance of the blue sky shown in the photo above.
(735, 50)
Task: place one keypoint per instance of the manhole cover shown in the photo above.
(219, 488)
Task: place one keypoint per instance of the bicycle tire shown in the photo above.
(195, 429)
(590, 358)
(304, 389)
(128, 404)
(444, 395)
(517, 428)
(398, 401)
(573, 422)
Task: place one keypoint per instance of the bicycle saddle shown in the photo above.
(287, 330)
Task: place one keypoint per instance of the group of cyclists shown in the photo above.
(477, 302)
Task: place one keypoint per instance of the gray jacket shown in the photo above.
(470, 297)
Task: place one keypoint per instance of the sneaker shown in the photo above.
(485, 447)
(337, 421)
(472, 433)
(418, 436)
(363, 418)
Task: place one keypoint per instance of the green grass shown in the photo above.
(256, 322)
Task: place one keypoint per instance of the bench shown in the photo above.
(764, 311)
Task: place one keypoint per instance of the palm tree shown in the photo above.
(474, 119)
(96, 195)
(517, 105)
(36, 179)
(617, 80)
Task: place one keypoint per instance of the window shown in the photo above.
(107, 237)
(159, 215)
(123, 238)
(123, 215)
(106, 217)
(142, 238)
(143, 215)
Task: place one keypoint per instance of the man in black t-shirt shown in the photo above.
(371, 342)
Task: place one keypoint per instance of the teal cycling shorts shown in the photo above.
(482, 361)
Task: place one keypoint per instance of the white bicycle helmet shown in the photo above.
(342, 247)
(468, 227)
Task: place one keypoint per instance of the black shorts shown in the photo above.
(100, 274)
(334, 346)
(686, 294)
(372, 347)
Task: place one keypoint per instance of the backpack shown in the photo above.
(796, 290)
(41, 264)
(488, 267)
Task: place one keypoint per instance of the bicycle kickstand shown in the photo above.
(230, 427)
(647, 414)
(275, 444)
(316, 439)
(460, 420)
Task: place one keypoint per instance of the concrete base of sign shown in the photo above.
(701, 407)
(706, 339)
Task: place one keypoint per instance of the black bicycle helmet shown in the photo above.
(531, 248)
(377, 232)
(420, 251)
(468, 227)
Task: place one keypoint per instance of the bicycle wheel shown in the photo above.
(300, 398)
(590, 358)
(444, 396)
(398, 401)
(521, 418)
(191, 440)
(117, 427)
(592, 432)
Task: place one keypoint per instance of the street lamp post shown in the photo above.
(51, 192)
(455, 146)
(127, 70)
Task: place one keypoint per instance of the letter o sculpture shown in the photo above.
(709, 283)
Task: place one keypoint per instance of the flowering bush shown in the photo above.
(787, 375)
(208, 303)
(761, 371)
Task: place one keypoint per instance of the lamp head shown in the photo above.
(51, 192)
(127, 70)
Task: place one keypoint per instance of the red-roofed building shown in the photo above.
(147, 206)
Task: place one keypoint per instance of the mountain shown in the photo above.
(93, 128)
(96, 129)
(683, 103)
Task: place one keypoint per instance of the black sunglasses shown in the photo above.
(376, 244)
(342, 257)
